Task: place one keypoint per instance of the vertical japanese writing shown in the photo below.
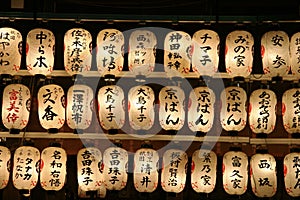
(114, 169)
(87, 170)
(264, 111)
(203, 108)
(13, 109)
(175, 160)
(236, 178)
(206, 161)
(55, 169)
(296, 167)
(77, 105)
(296, 110)
(234, 102)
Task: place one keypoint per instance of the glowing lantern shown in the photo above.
(53, 168)
(205, 58)
(275, 53)
(51, 103)
(291, 164)
(115, 160)
(204, 171)
(201, 109)
(4, 166)
(174, 168)
(263, 175)
(178, 51)
(262, 111)
(110, 51)
(77, 51)
(171, 108)
(235, 172)
(11, 48)
(141, 107)
(79, 106)
(100, 193)
(290, 111)
(15, 106)
(295, 55)
(233, 114)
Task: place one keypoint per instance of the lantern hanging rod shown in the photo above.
(266, 141)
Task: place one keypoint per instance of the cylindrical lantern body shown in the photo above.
(11, 50)
(110, 52)
(77, 51)
(295, 54)
(100, 193)
(53, 168)
(233, 115)
(291, 165)
(263, 175)
(204, 171)
(145, 175)
(4, 166)
(235, 172)
(174, 168)
(115, 160)
(291, 110)
(262, 111)
(15, 106)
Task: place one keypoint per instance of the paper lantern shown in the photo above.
(233, 115)
(141, 107)
(263, 175)
(203, 171)
(53, 168)
(171, 108)
(40, 48)
(77, 51)
(110, 51)
(142, 50)
(205, 58)
(26, 167)
(4, 166)
(262, 111)
(235, 172)
(201, 109)
(11, 50)
(79, 106)
(15, 106)
(291, 165)
(275, 53)
(115, 160)
(89, 169)
(177, 55)
(100, 193)
(239, 53)
(291, 110)
(295, 54)
(174, 168)
(51, 106)
(111, 107)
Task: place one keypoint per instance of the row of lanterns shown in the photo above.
(201, 52)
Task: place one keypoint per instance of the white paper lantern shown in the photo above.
(205, 58)
(291, 165)
(53, 168)
(262, 111)
(291, 110)
(235, 172)
(174, 168)
(4, 166)
(275, 53)
(295, 54)
(115, 160)
(77, 51)
(11, 50)
(100, 193)
(204, 171)
(110, 51)
(15, 106)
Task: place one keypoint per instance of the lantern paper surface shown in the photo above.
(205, 58)
(79, 106)
(11, 50)
(262, 111)
(263, 175)
(291, 165)
(89, 169)
(115, 160)
(26, 167)
(239, 53)
(233, 115)
(295, 54)
(53, 168)
(235, 172)
(100, 193)
(201, 109)
(40, 48)
(110, 51)
(275, 53)
(171, 108)
(291, 110)
(51, 103)
(204, 171)
(4, 166)
(111, 107)
(145, 176)
(77, 51)
(141, 107)
(177, 55)
(15, 106)
(173, 173)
